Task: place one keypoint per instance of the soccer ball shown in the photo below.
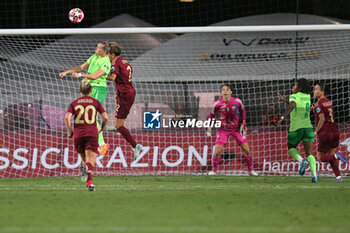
(76, 15)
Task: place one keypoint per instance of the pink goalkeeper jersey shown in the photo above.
(231, 113)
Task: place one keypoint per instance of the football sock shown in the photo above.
(312, 164)
(327, 158)
(216, 160)
(335, 167)
(126, 134)
(249, 161)
(89, 166)
(89, 177)
(101, 141)
(295, 154)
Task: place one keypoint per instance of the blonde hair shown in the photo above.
(85, 87)
(115, 48)
(106, 46)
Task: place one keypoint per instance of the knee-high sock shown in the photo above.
(312, 164)
(127, 136)
(216, 160)
(335, 167)
(88, 166)
(249, 161)
(89, 169)
(295, 154)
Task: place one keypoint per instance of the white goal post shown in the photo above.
(178, 71)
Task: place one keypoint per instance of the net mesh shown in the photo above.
(178, 75)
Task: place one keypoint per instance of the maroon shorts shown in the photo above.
(86, 143)
(328, 140)
(124, 103)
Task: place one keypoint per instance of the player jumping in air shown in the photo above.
(327, 132)
(300, 128)
(121, 75)
(84, 110)
(98, 66)
(233, 123)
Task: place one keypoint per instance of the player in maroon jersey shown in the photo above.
(232, 117)
(121, 75)
(327, 132)
(84, 110)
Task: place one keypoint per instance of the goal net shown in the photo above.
(179, 74)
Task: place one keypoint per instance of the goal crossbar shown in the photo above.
(176, 30)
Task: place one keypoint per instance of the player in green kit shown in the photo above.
(98, 66)
(300, 128)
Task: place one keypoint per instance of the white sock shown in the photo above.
(314, 174)
(338, 177)
(300, 159)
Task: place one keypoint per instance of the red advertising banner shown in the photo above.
(35, 155)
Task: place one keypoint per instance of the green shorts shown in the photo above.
(303, 134)
(99, 93)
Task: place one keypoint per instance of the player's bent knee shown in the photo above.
(118, 123)
(218, 150)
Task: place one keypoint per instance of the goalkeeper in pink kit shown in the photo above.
(233, 123)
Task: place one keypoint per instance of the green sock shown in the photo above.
(101, 141)
(312, 164)
(295, 154)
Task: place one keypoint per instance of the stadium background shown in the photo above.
(165, 13)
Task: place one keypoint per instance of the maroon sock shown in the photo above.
(126, 134)
(327, 158)
(335, 166)
(89, 177)
(89, 166)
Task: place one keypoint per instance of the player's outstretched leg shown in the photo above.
(119, 125)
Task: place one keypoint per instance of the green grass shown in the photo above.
(175, 204)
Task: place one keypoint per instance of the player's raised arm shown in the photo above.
(282, 98)
(79, 68)
(95, 76)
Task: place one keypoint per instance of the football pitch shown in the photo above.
(175, 204)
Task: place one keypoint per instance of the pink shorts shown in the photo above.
(222, 136)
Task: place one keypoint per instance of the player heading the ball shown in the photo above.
(121, 75)
(231, 111)
(98, 66)
(84, 110)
